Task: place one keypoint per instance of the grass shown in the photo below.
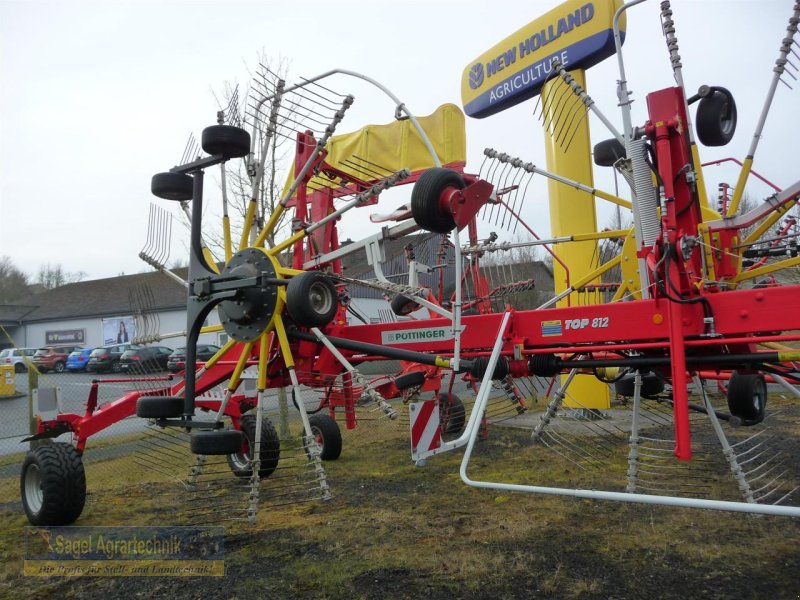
(396, 531)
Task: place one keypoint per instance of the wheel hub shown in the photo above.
(251, 309)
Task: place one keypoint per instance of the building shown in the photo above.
(103, 311)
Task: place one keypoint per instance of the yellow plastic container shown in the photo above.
(8, 384)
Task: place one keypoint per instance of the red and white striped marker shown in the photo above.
(426, 434)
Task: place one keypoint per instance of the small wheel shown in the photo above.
(403, 305)
(58, 367)
(747, 397)
(216, 442)
(426, 205)
(311, 299)
(230, 141)
(159, 407)
(608, 152)
(53, 484)
(172, 186)
(652, 385)
(241, 463)
(716, 118)
(327, 435)
(452, 415)
(409, 380)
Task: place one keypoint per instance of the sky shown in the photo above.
(96, 97)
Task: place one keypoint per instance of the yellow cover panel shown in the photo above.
(397, 145)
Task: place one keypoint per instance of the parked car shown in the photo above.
(106, 358)
(16, 357)
(78, 359)
(142, 360)
(53, 358)
(177, 360)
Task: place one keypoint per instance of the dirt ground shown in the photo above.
(393, 530)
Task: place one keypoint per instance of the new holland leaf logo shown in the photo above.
(476, 76)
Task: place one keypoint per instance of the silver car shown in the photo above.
(17, 357)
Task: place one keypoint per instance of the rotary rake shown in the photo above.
(681, 308)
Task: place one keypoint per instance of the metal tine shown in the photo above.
(577, 450)
(515, 198)
(306, 110)
(528, 178)
(558, 103)
(576, 108)
(517, 175)
(540, 101)
(786, 496)
(583, 117)
(495, 178)
(561, 454)
(566, 105)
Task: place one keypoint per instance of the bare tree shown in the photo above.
(53, 276)
(13, 281)
(272, 151)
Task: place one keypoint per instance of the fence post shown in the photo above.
(33, 384)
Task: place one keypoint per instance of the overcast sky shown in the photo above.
(95, 97)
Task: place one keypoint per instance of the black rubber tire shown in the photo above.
(716, 119)
(328, 435)
(172, 186)
(159, 407)
(409, 380)
(216, 442)
(425, 206)
(501, 369)
(115, 368)
(652, 385)
(59, 367)
(747, 397)
(403, 305)
(608, 152)
(227, 140)
(19, 368)
(311, 299)
(452, 415)
(53, 484)
(241, 462)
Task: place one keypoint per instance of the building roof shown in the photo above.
(100, 297)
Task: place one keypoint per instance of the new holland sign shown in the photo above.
(577, 33)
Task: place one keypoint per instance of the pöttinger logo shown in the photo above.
(476, 76)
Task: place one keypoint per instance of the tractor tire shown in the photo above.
(311, 299)
(608, 152)
(327, 435)
(426, 208)
(409, 380)
(403, 305)
(159, 407)
(452, 415)
(716, 119)
(241, 463)
(53, 485)
(172, 186)
(652, 385)
(216, 442)
(227, 140)
(747, 397)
